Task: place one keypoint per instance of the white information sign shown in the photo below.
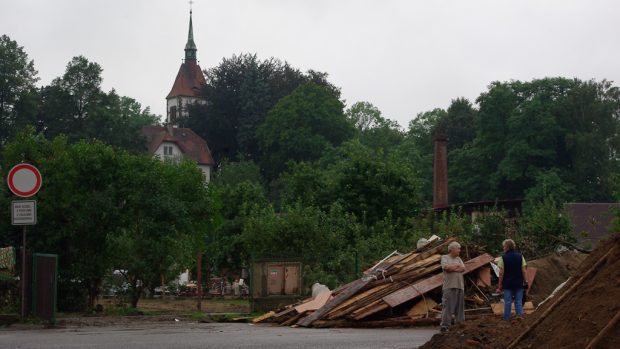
(24, 212)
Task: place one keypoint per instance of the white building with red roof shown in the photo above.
(172, 143)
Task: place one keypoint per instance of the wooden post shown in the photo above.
(199, 281)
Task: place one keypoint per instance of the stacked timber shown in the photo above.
(395, 292)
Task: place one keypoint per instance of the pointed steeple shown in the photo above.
(190, 47)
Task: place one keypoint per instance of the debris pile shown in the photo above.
(400, 290)
(584, 313)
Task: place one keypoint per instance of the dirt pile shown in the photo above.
(578, 316)
(553, 270)
(585, 311)
(487, 331)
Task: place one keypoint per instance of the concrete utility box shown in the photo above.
(275, 283)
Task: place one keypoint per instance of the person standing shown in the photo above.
(453, 302)
(511, 277)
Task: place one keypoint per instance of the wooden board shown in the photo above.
(353, 288)
(421, 308)
(530, 274)
(484, 277)
(359, 285)
(263, 317)
(314, 304)
(431, 283)
(285, 312)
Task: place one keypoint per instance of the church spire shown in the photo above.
(190, 47)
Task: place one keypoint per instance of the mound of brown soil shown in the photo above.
(573, 322)
(553, 270)
(482, 332)
(583, 313)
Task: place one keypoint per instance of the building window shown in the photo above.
(173, 113)
(167, 150)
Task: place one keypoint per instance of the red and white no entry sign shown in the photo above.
(24, 180)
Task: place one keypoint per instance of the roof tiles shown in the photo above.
(192, 145)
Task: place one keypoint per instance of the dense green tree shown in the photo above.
(103, 208)
(372, 186)
(364, 115)
(323, 240)
(526, 129)
(418, 146)
(303, 182)
(458, 123)
(373, 129)
(75, 105)
(18, 97)
(239, 93)
(164, 221)
(363, 181)
(232, 173)
(238, 189)
(301, 127)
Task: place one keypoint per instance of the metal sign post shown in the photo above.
(24, 180)
(24, 212)
(23, 312)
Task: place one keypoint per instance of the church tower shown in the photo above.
(170, 142)
(188, 83)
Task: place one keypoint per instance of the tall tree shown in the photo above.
(239, 93)
(373, 129)
(372, 186)
(18, 97)
(75, 105)
(301, 127)
(530, 133)
(458, 123)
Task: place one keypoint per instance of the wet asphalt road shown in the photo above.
(198, 335)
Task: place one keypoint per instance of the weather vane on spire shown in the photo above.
(191, 2)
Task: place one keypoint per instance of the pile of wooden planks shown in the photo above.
(383, 297)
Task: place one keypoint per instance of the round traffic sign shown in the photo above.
(24, 180)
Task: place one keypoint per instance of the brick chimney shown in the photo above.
(440, 171)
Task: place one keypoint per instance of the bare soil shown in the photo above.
(583, 314)
(572, 323)
(553, 270)
(158, 311)
(189, 305)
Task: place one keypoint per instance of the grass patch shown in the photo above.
(123, 311)
(199, 316)
(235, 301)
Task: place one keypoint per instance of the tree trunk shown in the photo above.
(136, 291)
(93, 292)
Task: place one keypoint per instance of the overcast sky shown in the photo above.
(405, 56)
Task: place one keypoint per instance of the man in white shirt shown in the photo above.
(453, 302)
